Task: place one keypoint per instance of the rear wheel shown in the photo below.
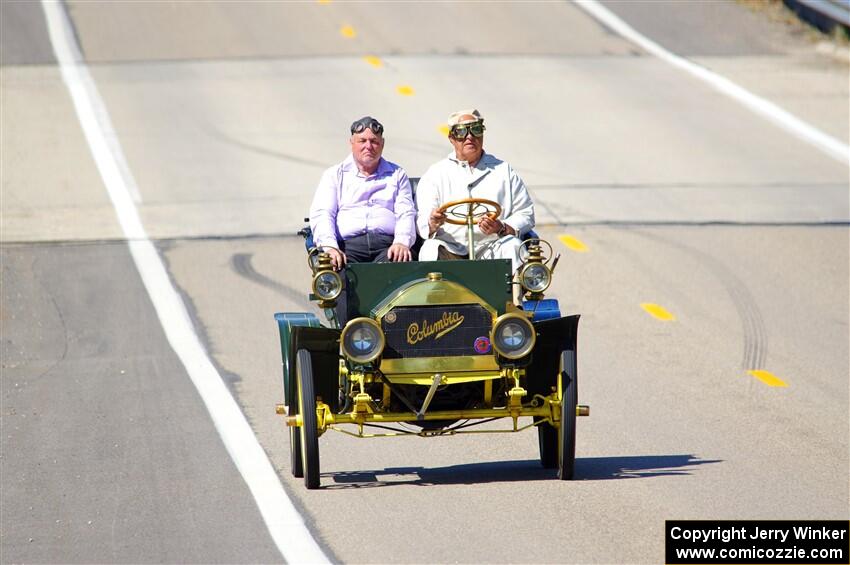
(569, 402)
(309, 435)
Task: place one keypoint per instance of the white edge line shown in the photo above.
(831, 146)
(285, 524)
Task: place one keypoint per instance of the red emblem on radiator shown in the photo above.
(482, 345)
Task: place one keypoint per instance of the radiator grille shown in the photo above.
(436, 331)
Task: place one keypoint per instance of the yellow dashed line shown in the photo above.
(443, 129)
(404, 90)
(374, 61)
(348, 31)
(658, 312)
(573, 243)
(768, 378)
(323, 1)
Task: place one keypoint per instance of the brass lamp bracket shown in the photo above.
(517, 393)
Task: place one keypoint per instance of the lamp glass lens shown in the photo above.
(327, 285)
(363, 339)
(536, 278)
(512, 336)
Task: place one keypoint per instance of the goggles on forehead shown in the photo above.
(460, 132)
(363, 123)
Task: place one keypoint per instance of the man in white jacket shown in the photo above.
(469, 172)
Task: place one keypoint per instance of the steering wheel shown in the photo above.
(459, 212)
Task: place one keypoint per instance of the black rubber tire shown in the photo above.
(295, 463)
(547, 439)
(309, 427)
(569, 402)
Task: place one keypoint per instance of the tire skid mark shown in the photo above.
(66, 337)
(755, 335)
(755, 346)
(64, 333)
(242, 265)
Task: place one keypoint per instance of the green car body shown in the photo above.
(442, 341)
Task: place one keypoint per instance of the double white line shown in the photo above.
(285, 524)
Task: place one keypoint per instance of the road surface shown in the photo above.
(226, 115)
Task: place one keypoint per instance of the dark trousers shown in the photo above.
(444, 254)
(367, 248)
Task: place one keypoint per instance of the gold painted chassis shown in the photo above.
(365, 411)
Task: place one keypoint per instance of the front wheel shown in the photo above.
(295, 463)
(569, 402)
(309, 435)
(547, 438)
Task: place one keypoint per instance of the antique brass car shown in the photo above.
(431, 348)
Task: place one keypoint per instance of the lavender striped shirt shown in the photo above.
(347, 204)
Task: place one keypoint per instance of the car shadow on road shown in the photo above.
(638, 466)
(587, 469)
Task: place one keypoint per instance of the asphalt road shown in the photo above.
(227, 114)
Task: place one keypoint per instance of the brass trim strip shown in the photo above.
(430, 293)
(430, 365)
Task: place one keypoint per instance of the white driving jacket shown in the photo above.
(491, 178)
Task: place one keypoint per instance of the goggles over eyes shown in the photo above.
(363, 123)
(461, 131)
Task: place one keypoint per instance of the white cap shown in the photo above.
(463, 117)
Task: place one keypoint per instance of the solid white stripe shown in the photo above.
(285, 525)
(787, 121)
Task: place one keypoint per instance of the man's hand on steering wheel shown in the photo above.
(436, 219)
(489, 225)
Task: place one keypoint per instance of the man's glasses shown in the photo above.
(363, 123)
(460, 132)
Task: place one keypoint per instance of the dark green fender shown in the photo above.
(553, 337)
(285, 322)
(303, 331)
